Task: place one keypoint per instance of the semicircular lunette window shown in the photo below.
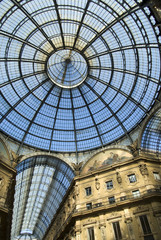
(41, 184)
(151, 137)
(76, 75)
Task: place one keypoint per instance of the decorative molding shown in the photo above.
(143, 169)
(134, 148)
(77, 167)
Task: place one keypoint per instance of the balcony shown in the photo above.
(127, 199)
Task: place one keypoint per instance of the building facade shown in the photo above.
(116, 196)
(80, 120)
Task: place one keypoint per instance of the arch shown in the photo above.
(41, 183)
(110, 155)
(40, 153)
(150, 134)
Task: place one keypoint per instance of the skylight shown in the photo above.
(151, 138)
(41, 184)
(76, 75)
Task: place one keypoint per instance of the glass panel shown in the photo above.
(89, 206)
(132, 178)
(111, 200)
(156, 175)
(39, 179)
(109, 184)
(117, 230)
(91, 233)
(77, 75)
(136, 193)
(88, 191)
(146, 228)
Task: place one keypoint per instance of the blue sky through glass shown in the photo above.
(120, 44)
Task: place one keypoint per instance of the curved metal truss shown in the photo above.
(151, 137)
(117, 39)
(41, 184)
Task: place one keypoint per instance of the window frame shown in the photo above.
(136, 195)
(110, 182)
(89, 206)
(111, 200)
(88, 191)
(117, 230)
(156, 175)
(90, 232)
(132, 178)
(146, 229)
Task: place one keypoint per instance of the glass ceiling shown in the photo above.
(41, 184)
(151, 138)
(76, 75)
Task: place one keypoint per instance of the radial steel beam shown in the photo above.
(121, 92)
(34, 22)
(33, 118)
(20, 78)
(9, 35)
(75, 134)
(20, 100)
(113, 114)
(59, 21)
(99, 135)
(119, 18)
(55, 119)
(81, 22)
(22, 60)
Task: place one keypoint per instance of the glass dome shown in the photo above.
(76, 75)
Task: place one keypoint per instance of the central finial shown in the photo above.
(67, 60)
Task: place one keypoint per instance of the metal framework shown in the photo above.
(151, 137)
(119, 41)
(40, 179)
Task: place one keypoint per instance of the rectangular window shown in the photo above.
(132, 178)
(109, 184)
(156, 175)
(89, 206)
(111, 200)
(136, 193)
(88, 191)
(91, 233)
(146, 228)
(117, 231)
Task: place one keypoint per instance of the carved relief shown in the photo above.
(143, 169)
(77, 167)
(97, 184)
(102, 227)
(134, 148)
(76, 191)
(119, 179)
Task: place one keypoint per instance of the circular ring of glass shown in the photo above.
(121, 45)
(67, 68)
